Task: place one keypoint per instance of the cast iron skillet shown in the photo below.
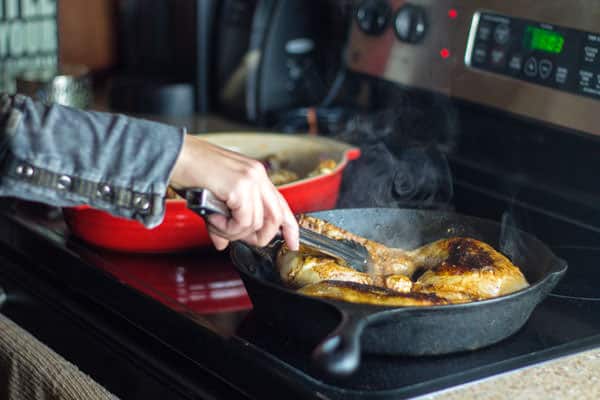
(342, 330)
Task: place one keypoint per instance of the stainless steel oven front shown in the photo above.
(537, 59)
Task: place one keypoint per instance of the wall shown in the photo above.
(87, 32)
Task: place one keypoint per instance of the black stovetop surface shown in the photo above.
(558, 326)
(561, 324)
(567, 321)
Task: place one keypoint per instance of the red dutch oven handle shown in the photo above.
(353, 153)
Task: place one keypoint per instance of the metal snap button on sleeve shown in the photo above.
(64, 182)
(142, 203)
(104, 191)
(24, 170)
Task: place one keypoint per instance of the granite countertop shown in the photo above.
(572, 377)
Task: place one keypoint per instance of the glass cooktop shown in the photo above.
(203, 287)
(206, 286)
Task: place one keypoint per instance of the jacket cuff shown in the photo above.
(67, 157)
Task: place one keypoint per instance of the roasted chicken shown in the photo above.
(357, 293)
(453, 270)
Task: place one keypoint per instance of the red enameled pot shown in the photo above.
(182, 229)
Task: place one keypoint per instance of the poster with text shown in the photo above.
(28, 38)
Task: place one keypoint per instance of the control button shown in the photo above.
(515, 63)
(498, 58)
(545, 68)
(585, 78)
(502, 33)
(484, 31)
(373, 16)
(561, 75)
(593, 38)
(587, 83)
(480, 54)
(531, 67)
(410, 24)
(590, 53)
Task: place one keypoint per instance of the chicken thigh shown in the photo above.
(453, 270)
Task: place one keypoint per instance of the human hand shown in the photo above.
(258, 210)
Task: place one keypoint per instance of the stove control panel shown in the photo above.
(537, 52)
(537, 59)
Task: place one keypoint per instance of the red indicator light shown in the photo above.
(452, 13)
(445, 53)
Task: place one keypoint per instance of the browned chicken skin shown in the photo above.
(386, 261)
(465, 269)
(456, 270)
(357, 293)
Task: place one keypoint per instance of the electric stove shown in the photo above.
(194, 305)
(508, 145)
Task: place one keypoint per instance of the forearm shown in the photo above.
(65, 157)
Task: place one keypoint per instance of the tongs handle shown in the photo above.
(204, 202)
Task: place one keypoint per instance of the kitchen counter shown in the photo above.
(572, 377)
(196, 123)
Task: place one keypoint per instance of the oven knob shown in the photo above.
(373, 16)
(410, 23)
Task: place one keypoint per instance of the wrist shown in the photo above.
(178, 175)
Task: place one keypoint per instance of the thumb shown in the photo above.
(219, 222)
(219, 242)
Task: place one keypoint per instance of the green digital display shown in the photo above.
(543, 40)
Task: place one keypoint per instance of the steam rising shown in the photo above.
(401, 163)
(511, 241)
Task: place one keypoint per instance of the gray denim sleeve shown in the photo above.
(65, 157)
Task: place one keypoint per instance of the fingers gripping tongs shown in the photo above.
(204, 203)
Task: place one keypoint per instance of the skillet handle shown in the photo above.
(339, 353)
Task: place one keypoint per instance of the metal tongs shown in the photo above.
(204, 203)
